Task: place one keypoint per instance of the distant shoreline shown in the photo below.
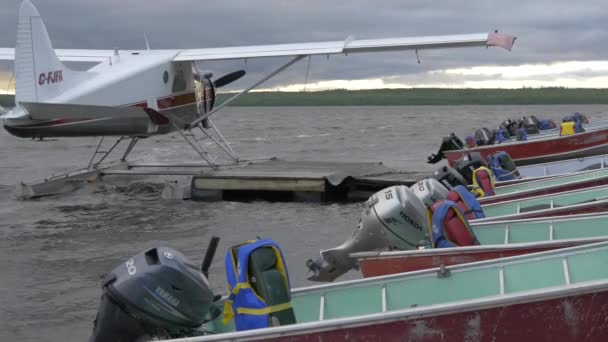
(412, 97)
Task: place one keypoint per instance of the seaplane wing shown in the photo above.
(347, 46)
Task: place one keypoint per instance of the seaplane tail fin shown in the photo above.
(40, 75)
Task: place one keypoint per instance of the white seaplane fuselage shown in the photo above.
(141, 93)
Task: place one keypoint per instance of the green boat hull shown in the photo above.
(557, 295)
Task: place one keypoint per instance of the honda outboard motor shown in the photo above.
(483, 137)
(449, 177)
(429, 191)
(467, 164)
(157, 294)
(394, 218)
(449, 143)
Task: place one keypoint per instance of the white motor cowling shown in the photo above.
(429, 191)
(394, 218)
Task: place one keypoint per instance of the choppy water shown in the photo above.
(54, 250)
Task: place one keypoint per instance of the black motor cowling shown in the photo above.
(511, 127)
(467, 164)
(530, 124)
(449, 177)
(449, 143)
(158, 293)
(483, 136)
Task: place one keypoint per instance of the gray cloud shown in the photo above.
(547, 30)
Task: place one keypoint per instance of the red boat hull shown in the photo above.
(579, 317)
(544, 150)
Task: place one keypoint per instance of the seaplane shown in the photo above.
(135, 94)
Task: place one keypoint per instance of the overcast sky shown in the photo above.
(560, 43)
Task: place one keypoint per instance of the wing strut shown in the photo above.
(244, 91)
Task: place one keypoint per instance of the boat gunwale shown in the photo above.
(550, 187)
(584, 190)
(577, 217)
(489, 302)
(474, 249)
(543, 211)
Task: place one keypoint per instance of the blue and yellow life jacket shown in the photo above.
(502, 166)
(483, 182)
(466, 201)
(449, 227)
(248, 308)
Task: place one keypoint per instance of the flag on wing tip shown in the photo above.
(500, 39)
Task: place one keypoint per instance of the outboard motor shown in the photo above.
(503, 166)
(429, 191)
(449, 143)
(467, 164)
(449, 177)
(393, 218)
(530, 124)
(483, 137)
(510, 126)
(157, 294)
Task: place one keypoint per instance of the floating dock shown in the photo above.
(274, 180)
(278, 180)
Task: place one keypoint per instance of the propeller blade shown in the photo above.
(229, 78)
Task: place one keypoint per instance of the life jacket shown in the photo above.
(521, 134)
(547, 124)
(449, 227)
(566, 128)
(259, 286)
(483, 182)
(500, 135)
(466, 201)
(578, 127)
(502, 166)
(469, 141)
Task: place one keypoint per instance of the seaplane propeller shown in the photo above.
(205, 92)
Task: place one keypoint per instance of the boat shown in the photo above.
(556, 295)
(589, 200)
(547, 186)
(560, 168)
(497, 240)
(563, 167)
(547, 148)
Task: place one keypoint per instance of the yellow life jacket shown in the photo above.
(483, 182)
(566, 128)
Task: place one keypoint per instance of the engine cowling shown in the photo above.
(394, 218)
(429, 191)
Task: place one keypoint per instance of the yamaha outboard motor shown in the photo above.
(157, 294)
(449, 143)
(483, 137)
(393, 218)
(467, 164)
(449, 177)
(429, 191)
